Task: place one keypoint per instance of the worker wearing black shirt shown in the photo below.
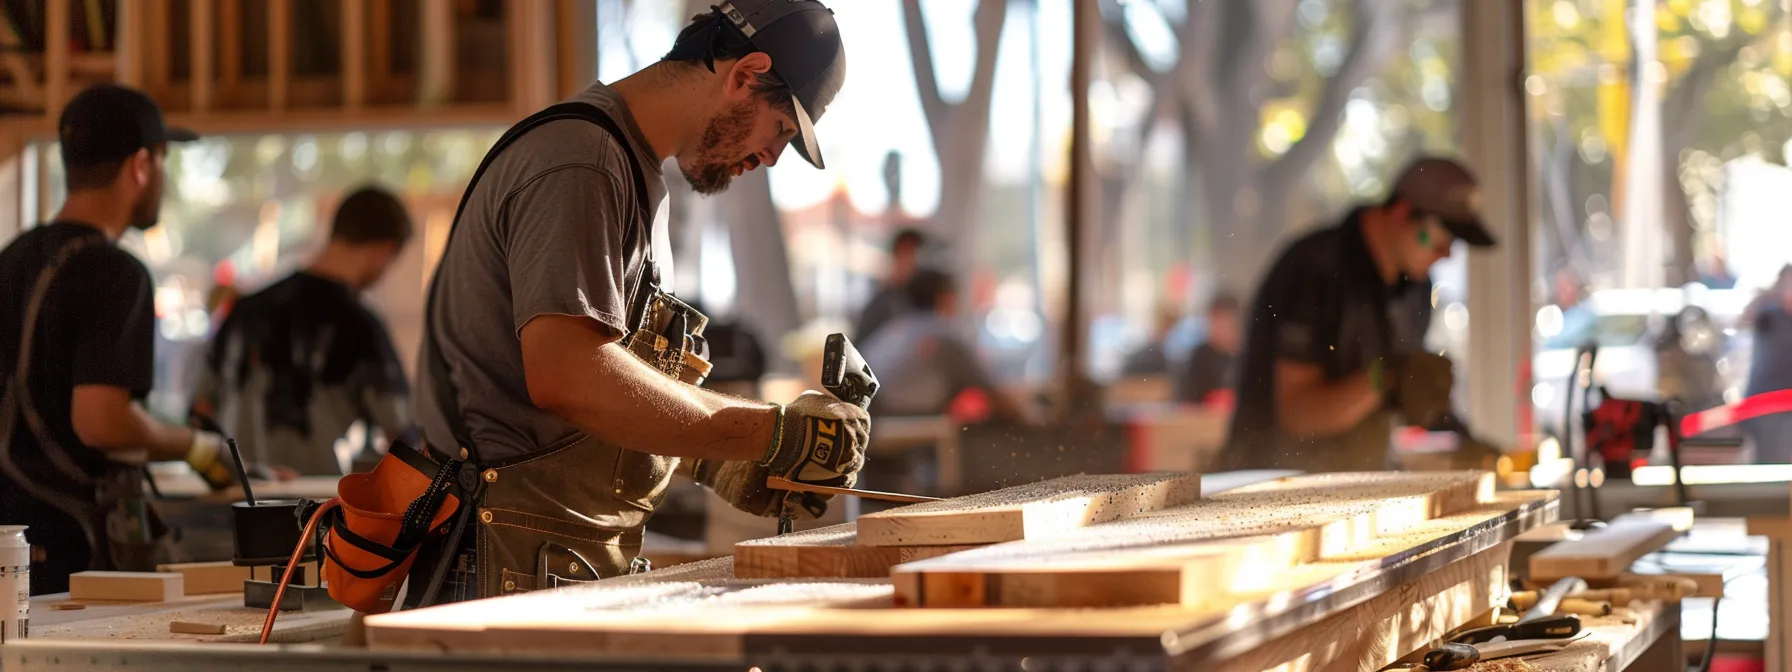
(1336, 336)
(77, 330)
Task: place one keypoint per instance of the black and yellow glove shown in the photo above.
(208, 458)
(818, 440)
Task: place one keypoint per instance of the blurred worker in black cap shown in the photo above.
(1335, 349)
(296, 364)
(553, 361)
(77, 336)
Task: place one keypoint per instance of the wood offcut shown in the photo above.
(1604, 553)
(826, 552)
(126, 586)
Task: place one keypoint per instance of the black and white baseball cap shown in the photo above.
(804, 43)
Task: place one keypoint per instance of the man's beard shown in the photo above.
(148, 208)
(723, 146)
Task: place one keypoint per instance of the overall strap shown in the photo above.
(441, 383)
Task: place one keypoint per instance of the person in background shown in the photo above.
(77, 341)
(296, 364)
(1211, 372)
(1153, 358)
(1335, 351)
(921, 361)
(1770, 368)
(891, 300)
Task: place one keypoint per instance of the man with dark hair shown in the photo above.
(77, 339)
(552, 360)
(295, 365)
(923, 363)
(1336, 345)
(1211, 372)
(891, 300)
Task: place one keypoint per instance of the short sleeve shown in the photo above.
(1298, 302)
(116, 345)
(566, 245)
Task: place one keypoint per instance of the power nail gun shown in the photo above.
(845, 375)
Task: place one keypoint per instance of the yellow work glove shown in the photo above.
(819, 440)
(207, 457)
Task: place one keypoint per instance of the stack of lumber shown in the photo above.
(1257, 574)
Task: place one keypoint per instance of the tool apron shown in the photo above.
(573, 511)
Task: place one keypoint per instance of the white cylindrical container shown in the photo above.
(15, 583)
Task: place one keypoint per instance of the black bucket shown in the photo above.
(266, 532)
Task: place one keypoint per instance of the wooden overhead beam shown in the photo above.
(437, 65)
(24, 79)
(354, 53)
(531, 41)
(202, 26)
(279, 52)
(379, 28)
(230, 42)
(56, 44)
(156, 63)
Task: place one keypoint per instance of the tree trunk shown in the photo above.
(765, 299)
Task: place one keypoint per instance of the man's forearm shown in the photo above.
(105, 418)
(1328, 409)
(628, 404)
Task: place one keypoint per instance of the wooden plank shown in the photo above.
(825, 552)
(205, 578)
(200, 42)
(354, 53)
(230, 42)
(125, 586)
(1604, 553)
(1680, 517)
(1037, 510)
(1195, 555)
(57, 49)
(777, 483)
(697, 612)
(279, 52)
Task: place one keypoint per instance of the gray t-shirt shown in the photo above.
(550, 229)
(921, 363)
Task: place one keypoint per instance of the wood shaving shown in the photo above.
(1504, 665)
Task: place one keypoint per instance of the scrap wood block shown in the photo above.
(1233, 543)
(1603, 553)
(825, 552)
(206, 578)
(191, 628)
(126, 586)
(1042, 509)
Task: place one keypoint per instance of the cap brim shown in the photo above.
(805, 142)
(1472, 231)
(178, 134)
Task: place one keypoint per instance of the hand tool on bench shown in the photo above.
(1457, 656)
(1538, 623)
(845, 375)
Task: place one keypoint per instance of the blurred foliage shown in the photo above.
(1724, 66)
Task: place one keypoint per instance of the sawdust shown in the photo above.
(833, 535)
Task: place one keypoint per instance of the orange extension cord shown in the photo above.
(267, 627)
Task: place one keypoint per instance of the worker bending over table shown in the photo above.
(1334, 354)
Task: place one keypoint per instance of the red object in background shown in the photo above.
(1729, 663)
(1221, 401)
(1765, 403)
(224, 273)
(969, 407)
(1622, 431)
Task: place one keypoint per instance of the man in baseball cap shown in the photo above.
(85, 310)
(1335, 356)
(551, 357)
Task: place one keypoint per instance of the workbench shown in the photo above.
(1381, 611)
